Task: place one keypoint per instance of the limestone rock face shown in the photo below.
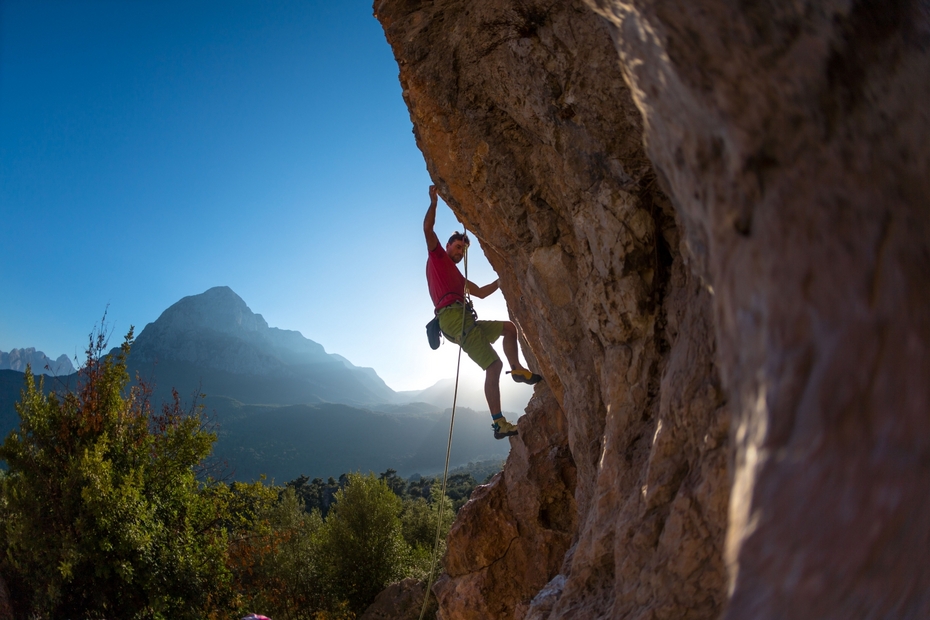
(792, 139)
(511, 537)
(733, 320)
(613, 501)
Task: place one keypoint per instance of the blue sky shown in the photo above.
(152, 150)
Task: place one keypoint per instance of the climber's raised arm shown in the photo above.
(430, 220)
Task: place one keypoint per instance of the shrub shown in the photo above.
(271, 552)
(103, 515)
(360, 547)
(418, 525)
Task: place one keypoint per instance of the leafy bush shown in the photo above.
(271, 552)
(102, 513)
(361, 547)
(418, 520)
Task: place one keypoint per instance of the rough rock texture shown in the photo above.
(793, 140)
(400, 601)
(760, 337)
(511, 537)
(614, 497)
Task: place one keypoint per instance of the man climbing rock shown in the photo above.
(447, 289)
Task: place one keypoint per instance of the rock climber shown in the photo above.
(447, 289)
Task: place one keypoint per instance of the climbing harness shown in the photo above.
(445, 471)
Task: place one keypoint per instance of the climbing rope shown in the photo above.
(445, 472)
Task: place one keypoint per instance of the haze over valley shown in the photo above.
(281, 404)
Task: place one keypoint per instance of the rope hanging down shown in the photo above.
(445, 471)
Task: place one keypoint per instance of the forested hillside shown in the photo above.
(142, 529)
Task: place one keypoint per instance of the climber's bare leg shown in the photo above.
(492, 386)
(510, 345)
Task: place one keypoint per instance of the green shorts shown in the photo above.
(478, 335)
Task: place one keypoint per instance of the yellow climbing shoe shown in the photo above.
(502, 428)
(522, 375)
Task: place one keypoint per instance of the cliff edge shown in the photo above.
(710, 225)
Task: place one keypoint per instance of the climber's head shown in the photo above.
(457, 245)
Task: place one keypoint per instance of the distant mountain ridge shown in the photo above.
(215, 336)
(283, 406)
(39, 362)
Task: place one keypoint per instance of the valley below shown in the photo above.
(282, 407)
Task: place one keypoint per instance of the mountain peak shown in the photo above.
(218, 309)
(217, 331)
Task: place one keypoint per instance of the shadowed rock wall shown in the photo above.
(744, 309)
(792, 138)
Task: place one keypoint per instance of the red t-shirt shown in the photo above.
(446, 282)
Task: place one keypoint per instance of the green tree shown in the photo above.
(397, 484)
(316, 494)
(360, 547)
(418, 527)
(421, 487)
(459, 488)
(102, 512)
(271, 552)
